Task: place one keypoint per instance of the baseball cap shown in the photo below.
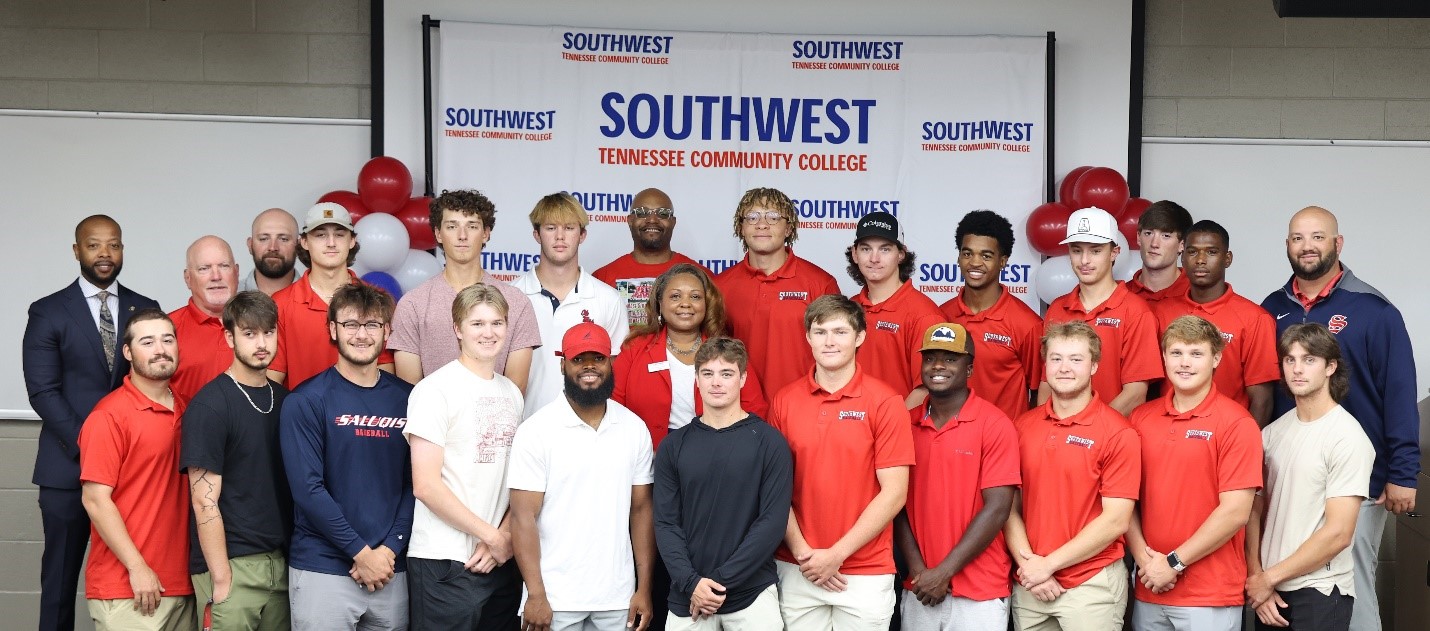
(583, 338)
(1091, 225)
(879, 224)
(324, 213)
(946, 336)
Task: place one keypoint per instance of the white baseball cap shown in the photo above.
(1091, 225)
(327, 213)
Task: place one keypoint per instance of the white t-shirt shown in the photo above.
(591, 298)
(682, 391)
(1308, 463)
(586, 475)
(474, 420)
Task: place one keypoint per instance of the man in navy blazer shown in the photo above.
(71, 360)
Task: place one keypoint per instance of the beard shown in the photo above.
(1322, 266)
(256, 364)
(92, 275)
(353, 356)
(148, 370)
(589, 398)
(275, 267)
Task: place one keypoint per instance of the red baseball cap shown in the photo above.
(583, 338)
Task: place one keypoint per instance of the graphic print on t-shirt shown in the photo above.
(497, 421)
(371, 426)
(635, 292)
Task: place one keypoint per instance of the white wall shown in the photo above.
(167, 182)
(1379, 193)
(1092, 65)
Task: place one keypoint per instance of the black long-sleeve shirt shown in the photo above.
(722, 500)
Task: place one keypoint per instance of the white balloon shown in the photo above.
(384, 242)
(1128, 260)
(359, 267)
(419, 267)
(1055, 278)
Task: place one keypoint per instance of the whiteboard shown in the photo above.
(1378, 191)
(166, 181)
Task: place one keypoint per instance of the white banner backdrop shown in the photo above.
(926, 128)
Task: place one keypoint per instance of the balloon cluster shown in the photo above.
(1083, 187)
(393, 227)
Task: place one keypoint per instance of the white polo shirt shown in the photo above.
(591, 298)
(586, 475)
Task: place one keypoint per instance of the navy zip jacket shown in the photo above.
(722, 500)
(1376, 346)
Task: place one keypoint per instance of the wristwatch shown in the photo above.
(1176, 562)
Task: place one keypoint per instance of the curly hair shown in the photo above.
(986, 223)
(467, 202)
(772, 199)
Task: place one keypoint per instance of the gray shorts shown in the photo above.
(327, 602)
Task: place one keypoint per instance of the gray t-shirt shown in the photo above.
(1307, 463)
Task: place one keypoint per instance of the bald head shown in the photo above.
(651, 234)
(95, 222)
(1313, 243)
(652, 198)
(210, 274)
(274, 243)
(99, 248)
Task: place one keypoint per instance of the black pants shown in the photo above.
(442, 594)
(66, 526)
(1310, 610)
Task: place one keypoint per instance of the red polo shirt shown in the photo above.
(1069, 465)
(1006, 360)
(1250, 334)
(1189, 458)
(305, 348)
(1307, 301)
(203, 352)
(131, 444)
(975, 450)
(839, 440)
(766, 311)
(896, 331)
(1177, 289)
(1128, 330)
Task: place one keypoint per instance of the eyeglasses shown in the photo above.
(351, 326)
(642, 212)
(770, 217)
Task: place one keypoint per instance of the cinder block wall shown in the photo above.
(1233, 69)
(254, 57)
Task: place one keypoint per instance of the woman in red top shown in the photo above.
(655, 371)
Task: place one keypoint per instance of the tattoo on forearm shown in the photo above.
(201, 486)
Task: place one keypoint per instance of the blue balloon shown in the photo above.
(385, 282)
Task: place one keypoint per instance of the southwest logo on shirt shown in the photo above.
(1199, 434)
(851, 415)
(994, 338)
(1080, 441)
(1115, 323)
(1337, 323)
(794, 295)
(370, 426)
(892, 327)
(1227, 336)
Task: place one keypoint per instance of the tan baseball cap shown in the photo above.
(946, 336)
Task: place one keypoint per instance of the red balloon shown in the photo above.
(384, 184)
(348, 200)
(1065, 190)
(1101, 187)
(416, 215)
(1127, 219)
(1047, 225)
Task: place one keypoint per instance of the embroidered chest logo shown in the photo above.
(1337, 323)
(1080, 441)
(851, 415)
(994, 338)
(1115, 323)
(1227, 336)
(892, 327)
(794, 295)
(1199, 434)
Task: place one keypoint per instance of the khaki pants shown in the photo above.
(258, 599)
(1096, 605)
(761, 615)
(175, 613)
(866, 605)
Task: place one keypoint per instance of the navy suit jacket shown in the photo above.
(66, 375)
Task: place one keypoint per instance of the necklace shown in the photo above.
(271, 399)
(695, 346)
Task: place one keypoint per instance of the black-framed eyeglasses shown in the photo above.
(769, 216)
(643, 212)
(351, 326)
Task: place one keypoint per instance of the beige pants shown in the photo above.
(866, 605)
(1096, 605)
(761, 615)
(175, 613)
